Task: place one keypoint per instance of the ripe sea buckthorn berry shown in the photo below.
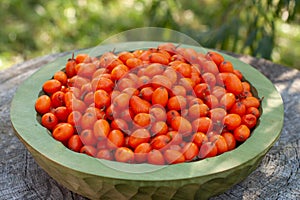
(159, 128)
(74, 118)
(171, 114)
(80, 58)
(124, 83)
(190, 151)
(159, 142)
(49, 121)
(109, 60)
(216, 57)
(184, 69)
(77, 81)
(141, 152)
(124, 154)
(232, 121)
(76, 105)
(188, 54)
(63, 132)
(177, 103)
(202, 90)
(139, 136)
(161, 81)
(103, 83)
(121, 101)
(192, 100)
(142, 119)
(155, 157)
(61, 113)
(211, 101)
(100, 114)
(208, 149)
(139, 105)
(61, 77)
(226, 66)
(145, 55)
(187, 83)
(126, 114)
(227, 100)
(249, 120)
(233, 84)
(230, 140)
(246, 86)
(137, 53)
(87, 137)
(171, 74)
(173, 156)
(86, 69)
(195, 77)
(198, 138)
(210, 79)
(241, 133)
(52, 86)
(198, 110)
(115, 139)
(125, 55)
(169, 47)
(147, 93)
(106, 154)
(182, 125)
(153, 69)
(70, 67)
(160, 96)
(119, 124)
(43, 104)
(159, 58)
(119, 71)
(101, 129)
(101, 72)
(254, 111)
(221, 144)
(176, 138)
(58, 99)
(217, 114)
(158, 112)
(74, 143)
(87, 120)
(101, 99)
(88, 150)
(202, 124)
(209, 66)
(178, 90)
(89, 98)
(219, 92)
(238, 108)
(251, 102)
(131, 91)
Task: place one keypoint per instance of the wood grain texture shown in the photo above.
(277, 177)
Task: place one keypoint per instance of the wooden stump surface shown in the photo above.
(277, 177)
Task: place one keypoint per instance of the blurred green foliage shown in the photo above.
(262, 28)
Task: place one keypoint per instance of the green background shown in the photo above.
(261, 28)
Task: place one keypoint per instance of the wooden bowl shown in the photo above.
(95, 178)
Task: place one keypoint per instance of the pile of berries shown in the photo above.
(162, 105)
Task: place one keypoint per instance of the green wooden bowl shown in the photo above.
(96, 179)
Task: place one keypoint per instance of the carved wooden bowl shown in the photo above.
(97, 179)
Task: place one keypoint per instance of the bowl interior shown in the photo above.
(30, 131)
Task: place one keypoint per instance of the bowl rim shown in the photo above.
(34, 135)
